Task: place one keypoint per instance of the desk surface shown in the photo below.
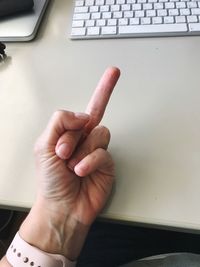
(154, 116)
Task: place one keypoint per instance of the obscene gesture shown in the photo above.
(75, 170)
(75, 175)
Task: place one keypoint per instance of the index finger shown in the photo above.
(99, 100)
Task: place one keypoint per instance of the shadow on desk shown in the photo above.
(5, 62)
(10, 222)
(111, 244)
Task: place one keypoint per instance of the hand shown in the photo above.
(75, 175)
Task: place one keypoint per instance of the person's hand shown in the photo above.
(75, 174)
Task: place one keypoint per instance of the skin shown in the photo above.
(75, 176)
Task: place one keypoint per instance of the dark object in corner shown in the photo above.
(5, 221)
(11, 7)
(2, 48)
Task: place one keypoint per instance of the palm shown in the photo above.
(94, 191)
(84, 196)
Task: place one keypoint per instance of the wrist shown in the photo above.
(55, 233)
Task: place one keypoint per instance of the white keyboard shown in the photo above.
(94, 19)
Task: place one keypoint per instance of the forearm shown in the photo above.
(56, 235)
(52, 235)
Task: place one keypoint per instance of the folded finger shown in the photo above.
(67, 144)
(98, 138)
(98, 159)
(63, 121)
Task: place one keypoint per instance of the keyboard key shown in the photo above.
(136, 7)
(180, 19)
(173, 12)
(147, 6)
(78, 31)
(145, 21)
(81, 16)
(77, 23)
(152, 1)
(99, 2)
(162, 12)
(108, 30)
(120, 2)
(194, 27)
(157, 20)
(96, 15)
(153, 28)
(180, 5)
(185, 12)
(110, 2)
(191, 4)
(195, 11)
(79, 3)
(93, 31)
(158, 5)
(169, 19)
(134, 21)
(141, 1)
(139, 14)
(112, 22)
(94, 9)
(81, 9)
(151, 13)
(106, 15)
(115, 8)
(123, 21)
(100, 22)
(89, 2)
(131, 1)
(128, 14)
(117, 15)
(90, 23)
(192, 19)
(163, 1)
(125, 7)
(169, 5)
(104, 8)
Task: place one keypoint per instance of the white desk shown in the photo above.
(154, 116)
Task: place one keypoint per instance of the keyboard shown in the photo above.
(94, 19)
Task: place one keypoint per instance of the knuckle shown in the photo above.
(101, 152)
(104, 154)
(69, 138)
(104, 131)
(60, 114)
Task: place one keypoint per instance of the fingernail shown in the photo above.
(63, 151)
(82, 116)
(80, 169)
